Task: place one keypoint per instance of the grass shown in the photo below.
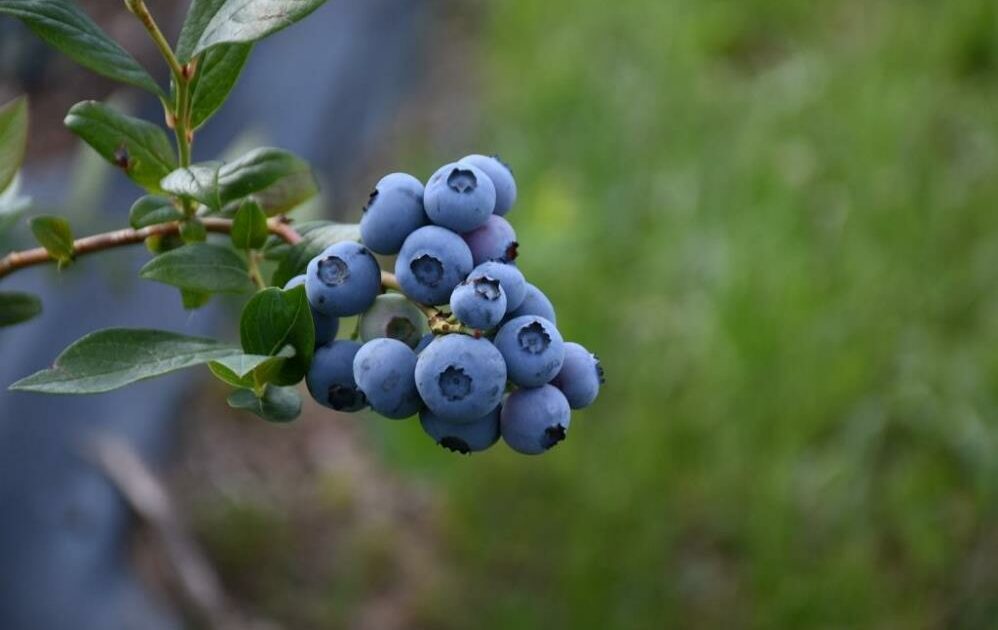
(777, 223)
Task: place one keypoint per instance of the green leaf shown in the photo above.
(216, 75)
(192, 230)
(193, 300)
(64, 26)
(112, 358)
(273, 319)
(12, 204)
(245, 21)
(152, 210)
(55, 236)
(18, 307)
(13, 139)
(311, 245)
(197, 181)
(247, 370)
(139, 148)
(200, 267)
(249, 228)
(278, 404)
(199, 14)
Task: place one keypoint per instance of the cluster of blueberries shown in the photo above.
(499, 365)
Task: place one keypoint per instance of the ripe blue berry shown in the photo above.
(534, 419)
(395, 317)
(533, 350)
(493, 240)
(580, 377)
(460, 377)
(432, 262)
(459, 197)
(384, 370)
(343, 280)
(534, 303)
(330, 377)
(510, 279)
(502, 178)
(462, 437)
(479, 303)
(393, 212)
(424, 342)
(326, 326)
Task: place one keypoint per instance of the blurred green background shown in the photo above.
(777, 224)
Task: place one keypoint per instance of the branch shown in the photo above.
(119, 238)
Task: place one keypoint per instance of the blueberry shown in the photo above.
(460, 377)
(534, 419)
(534, 303)
(580, 377)
(510, 279)
(330, 377)
(459, 197)
(533, 350)
(502, 178)
(424, 342)
(432, 262)
(393, 212)
(343, 280)
(385, 370)
(462, 437)
(479, 302)
(493, 240)
(393, 316)
(326, 326)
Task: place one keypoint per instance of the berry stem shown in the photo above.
(119, 238)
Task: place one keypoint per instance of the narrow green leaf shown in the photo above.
(12, 204)
(193, 300)
(152, 210)
(55, 235)
(200, 267)
(64, 26)
(278, 404)
(216, 75)
(13, 139)
(139, 148)
(311, 245)
(245, 370)
(197, 181)
(245, 21)
(273, 319)
(112, 358)
(249, 228)
(199, 14)
(18, 307)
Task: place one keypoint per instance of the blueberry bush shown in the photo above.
(456, 335)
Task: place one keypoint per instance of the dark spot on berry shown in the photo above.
(512, 251)
(552, 435)
(455, 445)
(600, 374)
(370, 199)
(462, 181)
(533, 339)
(333, 271)
(346, 398)
(402, 329)
(454, 383)
(487, 288)
(429, 271)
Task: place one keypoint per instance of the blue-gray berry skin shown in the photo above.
(462, 437)
(534, 303)
(459, 197)
(343, 280)
(533, 350)
(510, 279)
(502, 178)
(330, 377)
(424, 342)
(326, 326)
(580, 377)
(385, 370)
(460, 378)
(393, 212)
(534, 419)
(393, 315)
(433, 261)
(493, 240)
(479, 303)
